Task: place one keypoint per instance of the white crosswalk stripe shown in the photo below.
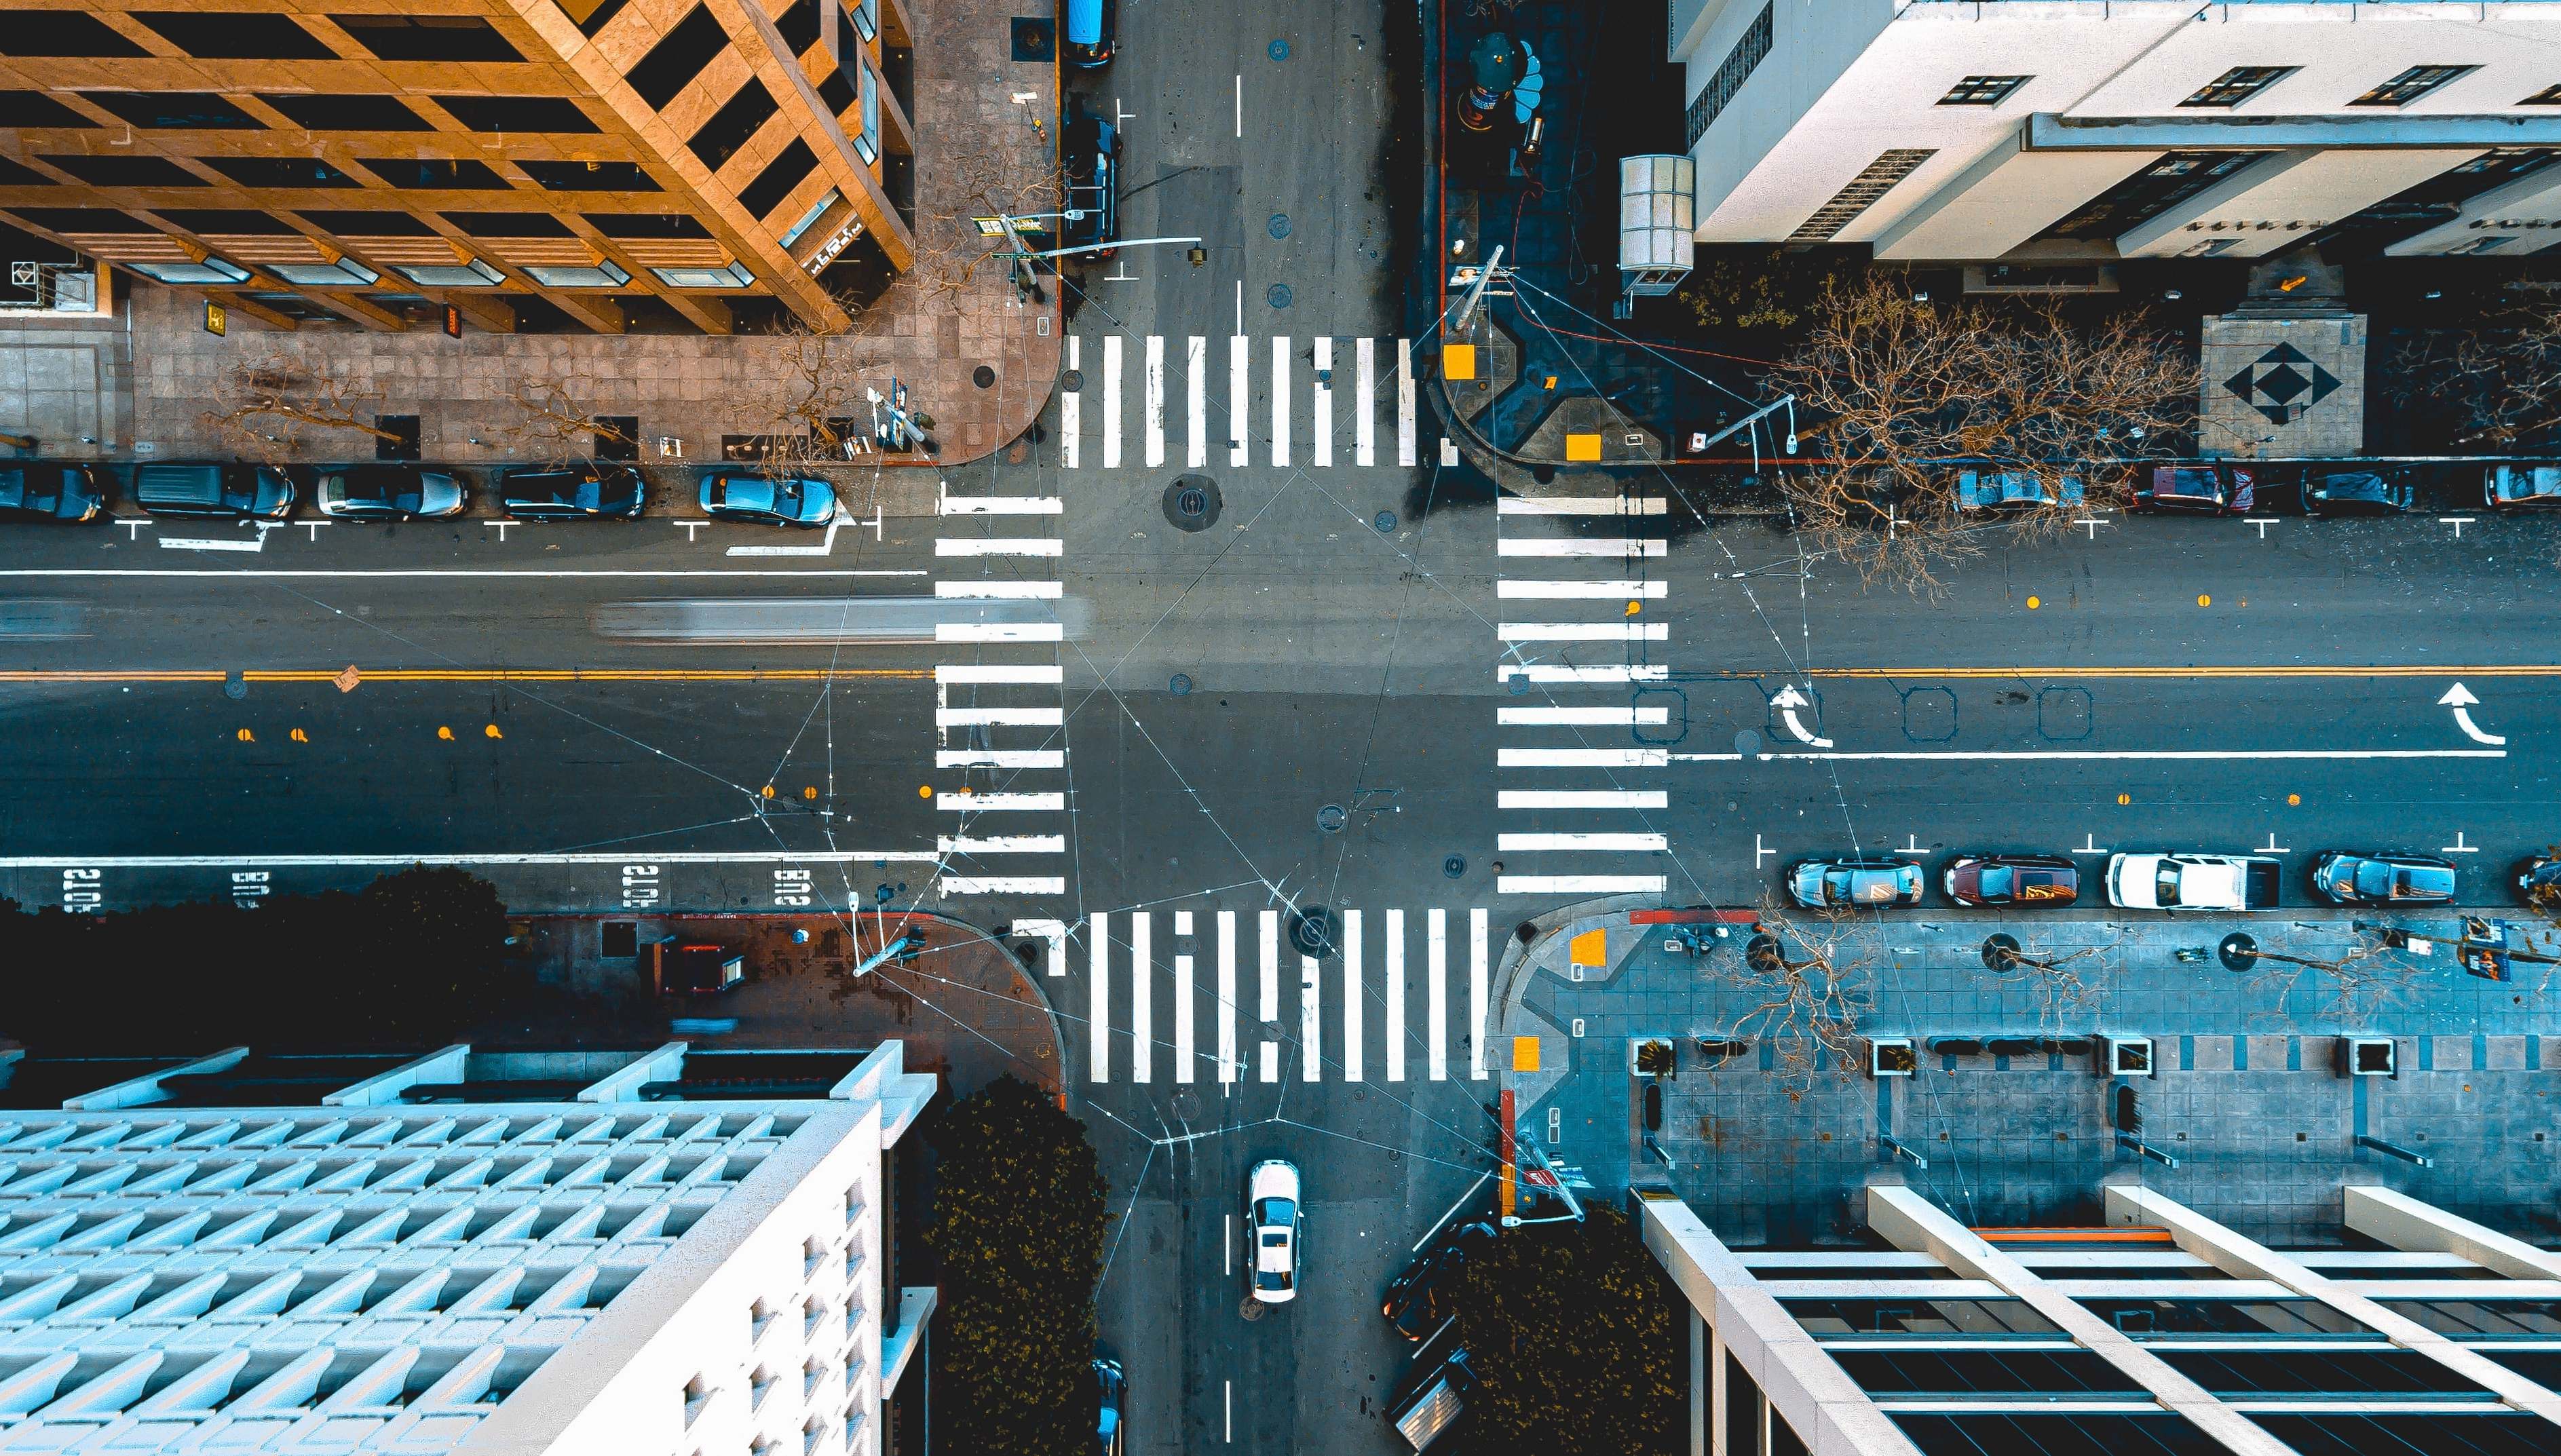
(999, 717)
(1173, 1008)
(1336, 420)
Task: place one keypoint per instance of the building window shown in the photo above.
(517, 114)
(434, 174)
(866, 142)
(126, 171)
(602, 275)
(678, 59)
(735, 275)
(1982, 90)
(809, 218)
(427, 37)
(588, 176)
(345, 272)
(2411, 85)
(320, 112)
(734, 125)
(1739, 64)
(469, 273)
(2550, 95)
(2151, 190)
(174, 110)
(798, 26)
(278, 171)
(211, 271)
(2239, 85)
(236, 35)
(775, 182)
(1861, 193)
(61, 32)
(866, 18)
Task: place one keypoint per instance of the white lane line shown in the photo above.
(1001, 546)
(1351, 996)
(1000, 844)
(1604, 672)
(1185, 1046)
(1000, 758)
(1155, 399)
(1097, 999)
(1237, 408)
(1070, 409)
(2234, 756)
(974, 672)
(1036, 590)
(1280, 399)
(1580, 506)
(1436, 969)
(1142, 996)
(1514, 546)
(1310, 1065)
(377, 862)
(1396, 996)
(1321, 439)
(1580, 757)
(999, 506)
(999, 717)
(1405, 401)
(1227, 996)
(1196, 400)
(560, 574)
(999, 632)
(1573, 590)
(1002, 884)
(1112, 401)
(964, 802)
(1582, 799)
(1528, 842)
(1476, 976)
(1579, 884)
(1365, 422)
(1584, 631)
(1529, 716)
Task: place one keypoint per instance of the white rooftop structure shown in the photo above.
(624, 1254)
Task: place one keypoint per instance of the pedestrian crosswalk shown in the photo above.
(999, 715)
(1580, 617)
(1320, 426)
(1228, 998)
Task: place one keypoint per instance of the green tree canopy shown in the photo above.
(1573, 1330)
(1017, 1223)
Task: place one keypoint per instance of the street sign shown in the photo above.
(996, 226)
(215, 320)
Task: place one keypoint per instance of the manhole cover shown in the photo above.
(1280, 49)
(1188, 1105)
(982, 377)
(234, 685)
(1331, 819)
(1747, 743)
(1313, 932)
(1192, 503)
(1520, 686)
(1279, 225)
(1385, 520)
(1181, 686)
(1454, 866)
(1279, 295)
(1073, 379)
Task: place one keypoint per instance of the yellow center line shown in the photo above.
(465, 675)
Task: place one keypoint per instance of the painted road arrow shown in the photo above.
(2462, 702)
(2460, 699)
(1787, 702)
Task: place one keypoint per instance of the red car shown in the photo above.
(2044, 881)
(2212, 490)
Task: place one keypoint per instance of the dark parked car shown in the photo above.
(2213, 490)
(1421, 1297)
(2522, 487)
(2014, 490)
(388, 493)
(768, 499)
(2013, 880)
(1091, 147)
(2538, 881)
(2383, 878)
(1110, 1385)
(1092, 32)
(1830, 883)
(570, 492)
(51, 490)
(234, 491)
(2357, 493)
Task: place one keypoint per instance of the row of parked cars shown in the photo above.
(2222, 488)
(72, 492)
(2149, 881)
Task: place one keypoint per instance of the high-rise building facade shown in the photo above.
(664, 1253)
(710, 164)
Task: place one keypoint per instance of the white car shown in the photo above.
(1271, 1223)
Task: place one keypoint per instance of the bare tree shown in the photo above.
(1904, 394)
(994, 172)
(2367, 976)
(2494, 384)
(1814, 986)
(813, 410)
(553, 417)
(2064, 984)
(270, 405)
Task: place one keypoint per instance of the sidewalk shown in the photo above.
(963, 1006)
(1772, 1145)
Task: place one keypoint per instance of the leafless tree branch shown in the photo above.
(269, 407)
(1815, 984)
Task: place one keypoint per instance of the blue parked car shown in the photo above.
(1093, 28)
(2012, 490)
(767, 500)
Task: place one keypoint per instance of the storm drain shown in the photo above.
(1192, 503)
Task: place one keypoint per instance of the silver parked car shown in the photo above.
(388, 492)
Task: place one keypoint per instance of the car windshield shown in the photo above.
(1996, 882)
(1084, 22)
(1269, 1212)
(2375, 879)
(749, 495)
(1271, 1278)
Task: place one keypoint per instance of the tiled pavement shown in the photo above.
(2247, 1100)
